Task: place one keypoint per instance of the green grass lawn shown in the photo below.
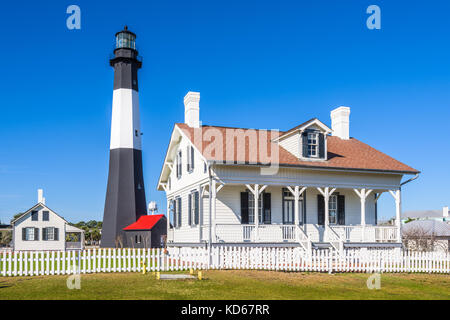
(229, 284)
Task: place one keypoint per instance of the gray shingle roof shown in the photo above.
(422, 214)
(430, 227)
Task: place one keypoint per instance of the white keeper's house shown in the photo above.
(311, 186)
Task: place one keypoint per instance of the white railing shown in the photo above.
(248, 233)
(26, 263)
(73, 245)
(303, 238)
(386, 234)
(366, 234)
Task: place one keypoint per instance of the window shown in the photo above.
(45, 216)
(313, 144)
(137, 239)
(50, 234)
(179, 164)
(193, 208)
(34, 216)
(332, 209)
(29, 234)
(190, 158)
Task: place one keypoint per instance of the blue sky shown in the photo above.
(259, 64)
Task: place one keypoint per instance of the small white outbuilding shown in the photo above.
(40, 228)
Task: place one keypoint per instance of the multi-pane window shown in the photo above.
(34, 216)
(50, 234)
(45, 216)
(332, 209)
(251, 208)
(179, 167)
(29, 234)
(313, 144)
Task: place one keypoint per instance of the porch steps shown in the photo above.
(321, 245)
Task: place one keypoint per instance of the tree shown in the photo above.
(418, 238)
(5, 237)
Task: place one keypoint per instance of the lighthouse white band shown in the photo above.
(125, 127)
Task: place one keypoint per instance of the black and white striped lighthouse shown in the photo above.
(125, 195)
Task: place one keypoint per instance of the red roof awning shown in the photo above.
(145, 222)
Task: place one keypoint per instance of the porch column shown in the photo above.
(398, 210)
(326, 192)
(213, 203)
(257, 190)
(363, 193)
(200, 212)
(297, 192)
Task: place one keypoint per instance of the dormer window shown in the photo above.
(313, 144)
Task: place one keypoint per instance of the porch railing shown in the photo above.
(247, 233)
(368, 233)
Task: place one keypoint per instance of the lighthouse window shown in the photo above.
(136, 133)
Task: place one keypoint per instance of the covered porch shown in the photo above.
(290, 214)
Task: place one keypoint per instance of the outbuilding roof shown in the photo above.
(145, 222)
(427, 227)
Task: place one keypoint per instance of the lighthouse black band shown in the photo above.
(125, 196)
(126, 66)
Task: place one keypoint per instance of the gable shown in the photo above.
(180, 141)
(26, 216)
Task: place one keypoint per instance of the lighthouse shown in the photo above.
(125, 195)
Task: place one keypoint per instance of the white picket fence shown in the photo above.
(279, 259)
